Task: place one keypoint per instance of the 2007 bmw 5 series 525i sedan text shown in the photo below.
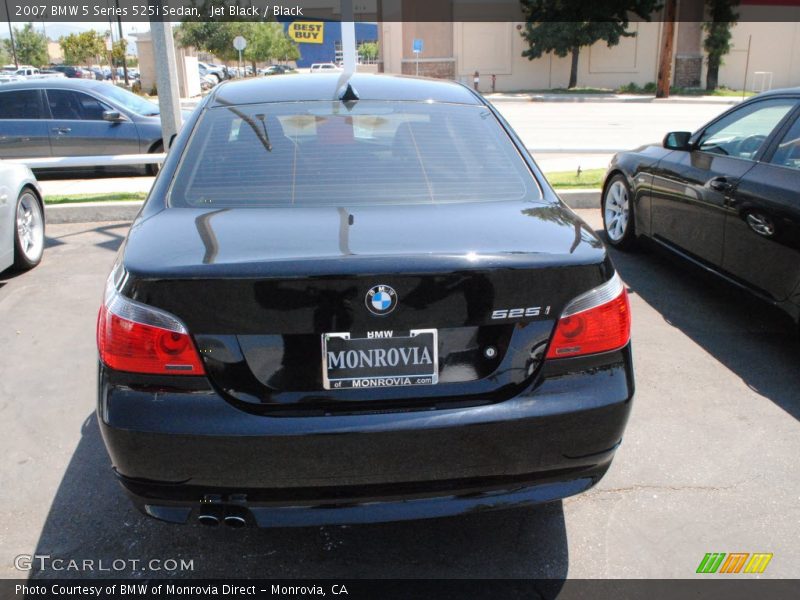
(357, 300)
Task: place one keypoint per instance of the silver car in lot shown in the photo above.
(21, 218)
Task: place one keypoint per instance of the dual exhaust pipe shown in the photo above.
(232, 516)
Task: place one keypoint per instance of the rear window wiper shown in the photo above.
(261, 134)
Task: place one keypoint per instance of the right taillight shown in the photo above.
(597, 321)
(137, 338)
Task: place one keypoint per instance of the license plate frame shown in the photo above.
(393, 376)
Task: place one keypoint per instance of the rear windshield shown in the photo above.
(322, 153)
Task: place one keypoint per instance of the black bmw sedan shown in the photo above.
(357, 300)
(726, 197)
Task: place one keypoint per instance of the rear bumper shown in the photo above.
(182, 453)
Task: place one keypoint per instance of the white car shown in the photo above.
(21, 218)
(324, 68)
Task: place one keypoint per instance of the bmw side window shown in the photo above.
(21, 104)
(787, 154)
(742, 133)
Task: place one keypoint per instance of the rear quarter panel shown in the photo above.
(637, 167)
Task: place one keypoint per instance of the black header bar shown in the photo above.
(363, 10)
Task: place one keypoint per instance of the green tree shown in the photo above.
(5, 55)
(564, 27)
(119, 50)
(263, 40)
(286, 49)
(31, 46)
(80, 48)
(214, 37)
(368, 51)
(717, 42)
(266, 41)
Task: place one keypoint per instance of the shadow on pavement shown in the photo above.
(754, 340)
(91, 518)
(113, 235)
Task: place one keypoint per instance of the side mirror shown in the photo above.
(113, 116)
(678, 140)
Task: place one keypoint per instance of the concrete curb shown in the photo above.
(99, 212)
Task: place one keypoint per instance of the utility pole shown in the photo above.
(667, 41)
(110, 46)
(166, 79)
(124, 54)
(11, 35)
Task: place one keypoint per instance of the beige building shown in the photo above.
(457, 49)
(54, 53)
(186, 59)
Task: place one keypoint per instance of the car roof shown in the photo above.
(327, 86)
(54, 82)
(794, 91)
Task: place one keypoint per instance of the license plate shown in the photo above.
(368, 362)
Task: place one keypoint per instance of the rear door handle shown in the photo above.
(62, 130)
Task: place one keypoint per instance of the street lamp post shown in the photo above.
(11, 34)
(124, 54)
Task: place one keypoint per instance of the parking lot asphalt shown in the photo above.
(708, 464)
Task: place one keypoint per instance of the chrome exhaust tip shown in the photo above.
(208, 520)
(235, 521)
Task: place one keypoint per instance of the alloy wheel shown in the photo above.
(616, 210)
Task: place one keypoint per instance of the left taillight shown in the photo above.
(137, 338)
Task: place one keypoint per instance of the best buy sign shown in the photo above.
(306, 32)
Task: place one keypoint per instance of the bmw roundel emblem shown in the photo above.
(381, 300)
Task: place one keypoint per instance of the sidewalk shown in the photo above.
(598, 98)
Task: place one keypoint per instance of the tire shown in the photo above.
(153, 168)
(617, 209)
(28, 231)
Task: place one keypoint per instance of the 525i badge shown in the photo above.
(518, 313)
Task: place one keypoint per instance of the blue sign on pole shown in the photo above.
(418, 46)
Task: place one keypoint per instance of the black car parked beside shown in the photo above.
(70, 71)
(354, 301)
(726, 197)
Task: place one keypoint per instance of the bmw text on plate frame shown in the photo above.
(381, 300)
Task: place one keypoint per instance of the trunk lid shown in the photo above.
(258, 288)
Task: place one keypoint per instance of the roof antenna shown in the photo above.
(348, 95)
